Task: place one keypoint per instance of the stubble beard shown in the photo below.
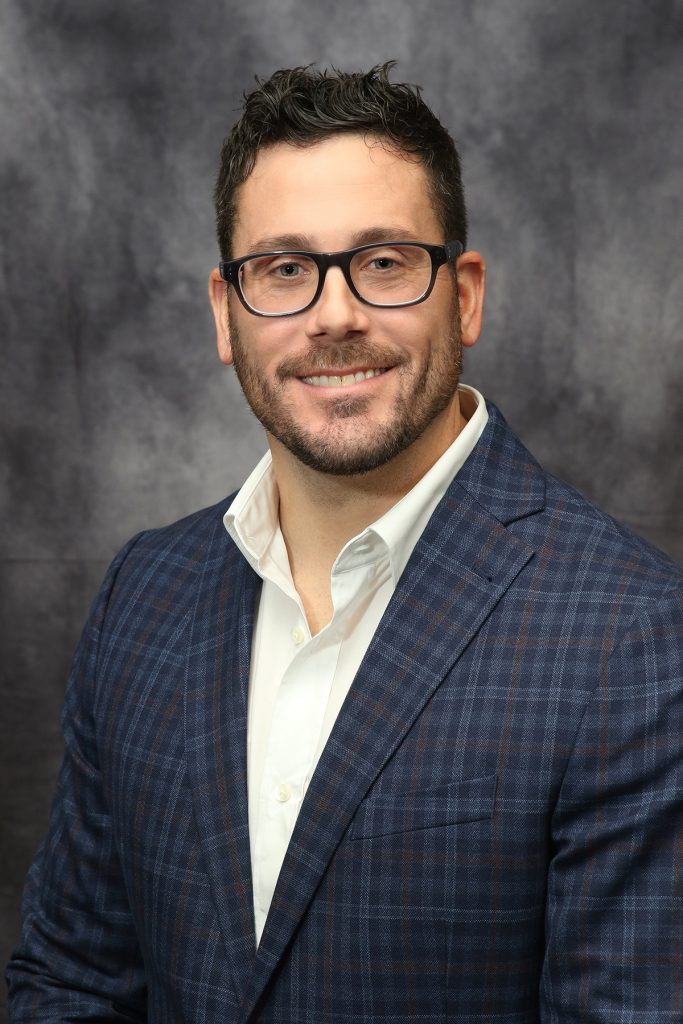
(335, 450)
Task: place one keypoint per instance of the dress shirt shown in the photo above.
(298, 682)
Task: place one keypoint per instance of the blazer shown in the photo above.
(493, 832)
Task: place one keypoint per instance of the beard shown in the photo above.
(335, 450)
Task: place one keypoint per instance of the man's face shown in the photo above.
(335, 195)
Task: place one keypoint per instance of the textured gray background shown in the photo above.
(117, 415)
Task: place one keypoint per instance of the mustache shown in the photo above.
(337, 357)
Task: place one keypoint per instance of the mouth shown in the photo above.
(343, 379)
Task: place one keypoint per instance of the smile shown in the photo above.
(341, 381)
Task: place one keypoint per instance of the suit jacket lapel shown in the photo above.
(217, 678)
(459, 570)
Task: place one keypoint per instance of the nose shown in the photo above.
(338, 312)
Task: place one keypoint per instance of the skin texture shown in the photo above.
(344, 455)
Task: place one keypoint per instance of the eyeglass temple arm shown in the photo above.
(453, 250)
(226, 269)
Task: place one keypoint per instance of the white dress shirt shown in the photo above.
(297, 683)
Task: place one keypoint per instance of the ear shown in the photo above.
(471, 274)
(218, 297)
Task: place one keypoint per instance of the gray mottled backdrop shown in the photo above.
(117, 414)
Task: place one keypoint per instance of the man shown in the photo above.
(397, 736)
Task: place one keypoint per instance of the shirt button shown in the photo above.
(282, 793)
(298, 636)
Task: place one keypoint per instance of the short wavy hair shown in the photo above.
(303, 105)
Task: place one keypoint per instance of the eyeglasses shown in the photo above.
(387, 274)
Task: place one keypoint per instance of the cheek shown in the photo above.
(273, 350)
(260, 346)
(425, 341)
(417, 329)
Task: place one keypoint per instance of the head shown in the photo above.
(302, 106)
(325, 163)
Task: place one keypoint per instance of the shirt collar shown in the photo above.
(252, 520)
(253, 523)
(402, 526)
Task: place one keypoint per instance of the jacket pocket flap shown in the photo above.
(450, 804)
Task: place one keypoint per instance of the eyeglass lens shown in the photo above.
(387, 275)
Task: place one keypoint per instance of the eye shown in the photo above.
(382, 260)
(277, 268)
(287, 270)
(382, 263)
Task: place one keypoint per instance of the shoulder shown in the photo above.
(167, 558)
(620, 587)
(582, 555)
(183, 536)
(578, 531)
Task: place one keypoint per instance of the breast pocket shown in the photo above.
(454, 803)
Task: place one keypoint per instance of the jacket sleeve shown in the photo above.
(78, 956)
(614, 918)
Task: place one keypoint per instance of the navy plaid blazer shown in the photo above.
(494, 830)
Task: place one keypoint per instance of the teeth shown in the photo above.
(335, 381)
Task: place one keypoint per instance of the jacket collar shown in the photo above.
(501, 475)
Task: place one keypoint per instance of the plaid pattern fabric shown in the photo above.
(493, 833)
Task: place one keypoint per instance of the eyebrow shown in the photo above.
(292, 242)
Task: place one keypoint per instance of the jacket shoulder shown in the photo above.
(157, 559)
(182, 537)
(604, 542)
(579, 544)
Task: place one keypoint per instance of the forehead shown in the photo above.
(331, 191)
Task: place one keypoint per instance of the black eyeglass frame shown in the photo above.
(440, 254)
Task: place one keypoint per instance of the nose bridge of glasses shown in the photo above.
(340, 261)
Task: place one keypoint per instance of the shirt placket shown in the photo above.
(297, 718)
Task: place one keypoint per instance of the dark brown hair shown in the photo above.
(302, 106)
